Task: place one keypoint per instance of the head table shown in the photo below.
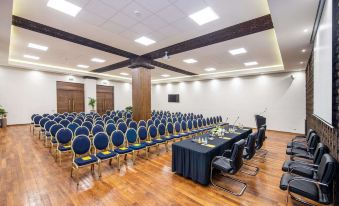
(192, 159)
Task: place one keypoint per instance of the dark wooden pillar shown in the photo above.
(141, 93)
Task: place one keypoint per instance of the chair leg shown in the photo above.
(118, 158)
(243, 188)
(251, 171)
(166, 145)
(297, 199)
(99, 169)
(133, 157)
(146, 151)
(59, 158)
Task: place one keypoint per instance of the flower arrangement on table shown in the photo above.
(218, 131)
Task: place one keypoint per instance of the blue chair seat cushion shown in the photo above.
(64, 148)
(137, 146)
(167, 137)
(81, 161)
(195, 131)
(150, 143)
(184, 134)
(159, 140)
(123, 150)
(177, 136)
(106, 154)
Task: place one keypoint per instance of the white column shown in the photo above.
(90, 91)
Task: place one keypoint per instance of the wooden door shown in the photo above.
(105, 98)
(70, 97)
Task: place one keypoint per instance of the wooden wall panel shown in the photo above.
(70, 97)
(105, 98)
(141, 93)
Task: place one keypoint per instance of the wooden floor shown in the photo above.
(30, 176)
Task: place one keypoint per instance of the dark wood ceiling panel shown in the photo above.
(239, 30)
(57, 33)
(111, 67)
(171, 68)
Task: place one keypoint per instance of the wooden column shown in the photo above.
(141, 93)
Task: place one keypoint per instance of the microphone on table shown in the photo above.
(235, 122)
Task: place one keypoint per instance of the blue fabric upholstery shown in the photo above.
(169, 128)
(133, 125)
(81, 162)
(118, 138)
(128, 120)
(138, 146)
(82, 130)
(177, 127)
(116, 118)
(78, 121)
(88, 125)
(64, 122)
(101, 141)
(142, 133)
(43, 122)
(122, 127)
(123, 151)
(100, 122)
(150, 143)
(64, 148)
(142, 123)
(106, 154)
(81, 144)
(73, 126)
(70, 118)
(150, 122)
(97, 128)
(159, 140)
(157, 122)
(37, 119)
(183, 125)
(110, 128)
(152, 131)
(161, 129)
(55, 128)
(164, 121)
(48, 125)
(189, 124)
(64, 135)
(131, 135)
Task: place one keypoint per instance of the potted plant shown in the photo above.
(129, 109)
(3, 115)
(91, 103)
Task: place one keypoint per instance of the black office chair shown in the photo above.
(300, 140)
(248, 154)
(311, 141)
(318, 188)
(298, 165)
(305, 151)
(230, 162)
(260, 138)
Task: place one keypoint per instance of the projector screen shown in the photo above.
(323, 66)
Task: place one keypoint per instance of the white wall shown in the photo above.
(24, 92)
(283, 97)
(90, 91)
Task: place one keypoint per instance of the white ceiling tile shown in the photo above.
(123, 19)
(130, 35)
(113, 27)
(80, 3)
(117, 4)
(155, 22)
(190, 6)
(130, 9)
(154, 5)
(171, 14)
(141, 29)
(90, 18)
(187, 25)
(100, 9)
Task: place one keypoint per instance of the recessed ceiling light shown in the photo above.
(124, 74)
(237, 51)
(165, 75)
(37, 46)
(211, 69)
(305, 30)
(82, 66)
(204, 16)
(64, 6)
(250, 63)
(301, 62)
(190, 61)
(145, 41)
(303, 51)
(98, 60)
(31, 57)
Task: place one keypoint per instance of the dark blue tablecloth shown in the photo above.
(192, 160)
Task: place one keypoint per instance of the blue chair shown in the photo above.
(73, 126)
(106, 119)
(42, 123)
(115, 118)
(36, 121)
(70, 118)
(119, 145)
(78, 121)
(100, 122)
(200, 129)
(122, 127)
(110, 121)
(50, 117)
(157, 122)
(177, 131)
(195, 127)
(184, 132)
(128, 115)
(48, 126)
(119, 121)
(57, 119)
(32, 121)
(62, 116)
(97, 129)
(82, 130)
(128, 120)
(88, 125)
(142, 123)
(150, 122)
(53, 130)
(134, 143)
(108, 113)
(162, 134)
(153, 118)
(102, 150)
(133, 124)
(143, 137)
(211, 121)
(82, 156)
(153, 136)
(64, 122)
(120, 114)
(204, 124)
(164, 121)
(169, 131)
(215, 121)
(64, 137)
(110, 128)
